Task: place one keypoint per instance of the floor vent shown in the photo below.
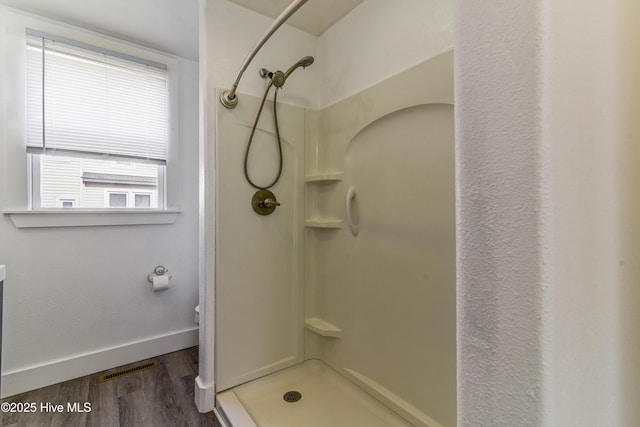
(127, 371)
(292, 396)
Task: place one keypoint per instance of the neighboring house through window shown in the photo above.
(97, 126)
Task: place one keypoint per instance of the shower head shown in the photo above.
(278, 78)
(304, 63)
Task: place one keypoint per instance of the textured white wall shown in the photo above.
(78, 294)
(547, 163)
(501, 262)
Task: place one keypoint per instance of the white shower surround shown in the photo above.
(228, 34)
(395, 297)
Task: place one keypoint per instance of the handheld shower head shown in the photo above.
(304, 63)
(278, 78)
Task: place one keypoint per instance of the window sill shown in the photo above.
(90, 218)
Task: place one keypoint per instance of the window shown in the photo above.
(117, 200)
(129, 199)
(142, 200)
(97, 126)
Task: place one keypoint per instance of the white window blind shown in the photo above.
(88, 101)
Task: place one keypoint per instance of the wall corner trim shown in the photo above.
(205, 396)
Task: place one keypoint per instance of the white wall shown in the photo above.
(377, 40)
(232, 32)
(591, 99)
(77, 299)
(547, 141)
(373, 42)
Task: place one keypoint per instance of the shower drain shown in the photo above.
(292, 396)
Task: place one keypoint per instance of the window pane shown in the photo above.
(89, 182)
(143, 200)
(117, 200)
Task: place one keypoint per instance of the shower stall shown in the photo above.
(338, 307)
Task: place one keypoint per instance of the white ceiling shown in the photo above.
(172, 25)
(167, 25)
(314, 17)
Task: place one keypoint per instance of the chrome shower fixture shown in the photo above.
(228, 98)
(278, 78)
(264, 202)
(304, 63)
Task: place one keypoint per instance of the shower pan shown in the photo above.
(339, 309)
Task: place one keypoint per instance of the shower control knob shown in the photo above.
(264, 202)
(270, 202)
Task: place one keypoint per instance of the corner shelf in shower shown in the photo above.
(322, 327)
(323, 223)
(320, 221)
(324, 178)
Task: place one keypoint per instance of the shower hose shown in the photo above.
(253, 131)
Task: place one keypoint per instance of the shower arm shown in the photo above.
(228, 97)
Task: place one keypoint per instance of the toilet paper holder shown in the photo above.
(158, 271)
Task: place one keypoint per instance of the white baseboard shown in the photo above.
(33, 377)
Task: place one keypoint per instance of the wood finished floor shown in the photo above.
(157, 397)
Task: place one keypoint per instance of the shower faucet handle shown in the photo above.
(269, 203)
(264, 202)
